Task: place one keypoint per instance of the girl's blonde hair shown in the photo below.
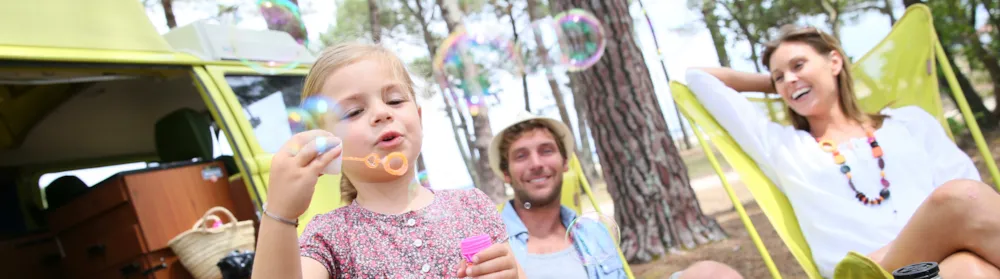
(824, 44)
(339, 56)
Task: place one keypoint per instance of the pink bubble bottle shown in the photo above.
(472, 245)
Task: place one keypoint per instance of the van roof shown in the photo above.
(120, 31)
(92, 24)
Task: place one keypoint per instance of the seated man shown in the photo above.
(532, 155)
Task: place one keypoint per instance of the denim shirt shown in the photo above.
(591, 240)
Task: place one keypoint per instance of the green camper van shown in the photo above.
(115, 138)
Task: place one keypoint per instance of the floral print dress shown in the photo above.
(353, 242)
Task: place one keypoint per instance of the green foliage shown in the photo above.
(759, 20)
(473, 6)
(353, 21)
(957, 127)
(421, 66)
(952, 23)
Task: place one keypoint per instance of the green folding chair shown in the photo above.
(899, 71)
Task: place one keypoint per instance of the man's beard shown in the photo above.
(523, 196)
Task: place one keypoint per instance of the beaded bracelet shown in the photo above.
(294, 223)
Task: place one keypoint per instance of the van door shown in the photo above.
(257, 105)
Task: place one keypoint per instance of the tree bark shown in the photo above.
(490, 184)
(374, 21)
(655, 205)
(432, 49)
(168, 12)
(712, 23)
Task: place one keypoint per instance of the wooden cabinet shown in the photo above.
(121, 227)
(34, 256)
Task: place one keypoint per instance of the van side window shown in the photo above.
(265, 100)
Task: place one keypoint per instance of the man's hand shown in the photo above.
(495, 262)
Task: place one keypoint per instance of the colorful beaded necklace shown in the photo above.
(838, 158)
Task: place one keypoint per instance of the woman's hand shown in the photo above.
(495, 262)
(295, 169)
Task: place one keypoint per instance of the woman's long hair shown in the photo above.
(824, 44)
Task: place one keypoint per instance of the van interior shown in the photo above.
(142, 124)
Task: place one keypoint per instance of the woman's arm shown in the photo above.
(742, 81)
(277, 254)
(747, 125)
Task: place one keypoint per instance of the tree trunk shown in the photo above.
(432, 49)
(985, 57)
(987, 122)
(666, 75)
(543, 54)
(655, 205)
(832, 10)
(712, 23)
(168, 12)
(509, 11)
(584, 153)
(374, 21)
(994, 20)
(474, 155)
(754, 40)
(887, 11)
(985, 119)
(490, 184)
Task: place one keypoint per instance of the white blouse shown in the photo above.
(918, 157)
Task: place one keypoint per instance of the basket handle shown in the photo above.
(206, 220)
(211, 213)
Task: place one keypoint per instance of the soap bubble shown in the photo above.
(596, 237)
(573, 40)
(423, 179)
(316, 112)
(475, 104)
(582, 39)
(280, 15)
(283, 15)
(323, 109)
(299, 120)
(471, 60)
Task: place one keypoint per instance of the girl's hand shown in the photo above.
(295, 169)
(495, 262)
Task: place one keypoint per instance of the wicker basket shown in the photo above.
(201, 247)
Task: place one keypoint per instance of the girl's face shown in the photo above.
(806, 79)
(376, 114)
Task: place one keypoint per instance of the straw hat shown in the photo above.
(562, 133)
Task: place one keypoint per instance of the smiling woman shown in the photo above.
(839, 167)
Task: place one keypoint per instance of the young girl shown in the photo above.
(389, 229)
(891, 185)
